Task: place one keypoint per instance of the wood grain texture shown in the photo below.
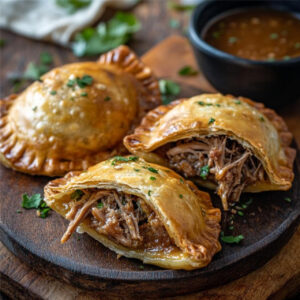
(275, 279)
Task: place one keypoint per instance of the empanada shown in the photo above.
(232, 144)
(139, 210)
(77, 115)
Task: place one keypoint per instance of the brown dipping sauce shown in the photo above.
(257, 34)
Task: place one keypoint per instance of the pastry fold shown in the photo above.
(140, 210)
(76, 115)
(232, 144)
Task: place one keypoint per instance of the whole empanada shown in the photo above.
(139, 210)
(232, 144)
(77, 115)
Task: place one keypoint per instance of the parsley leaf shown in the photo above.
(100, 205)
(287, 199)
(77, 194)
(72, 5)
(211, 120)
(123, 159)
(187, 71)
(168, 88)
(46, 58)
(204, 171)
(30, 202)
(230, 239)
(152, 170)
(106, 36)
(152, 178)
(35, 71)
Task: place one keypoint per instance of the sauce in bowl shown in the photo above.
(256, 34)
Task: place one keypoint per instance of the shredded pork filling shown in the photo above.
(218, 159)
(122, 217)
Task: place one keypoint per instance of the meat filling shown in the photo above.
(122, 217)
(217, 159)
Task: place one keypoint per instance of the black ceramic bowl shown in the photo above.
(274, 83)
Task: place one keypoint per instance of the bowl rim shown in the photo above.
(202, 45)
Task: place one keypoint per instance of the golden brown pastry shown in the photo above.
(232, 144)
(139, 210)
(77, 115)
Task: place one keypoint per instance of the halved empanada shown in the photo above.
(140, 210)
(77, 115)
(230, 143)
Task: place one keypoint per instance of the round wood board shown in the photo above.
(267, 225)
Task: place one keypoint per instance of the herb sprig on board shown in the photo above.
(169, 89)
(106, 36)
(36, 202)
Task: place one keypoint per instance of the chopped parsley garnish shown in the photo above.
(34, 71)
(53, 93)
(84, 94)
(211, 120)
(71, 82)
(34, 108)
(206, 104)
(274, 36)
(230, 239)
(174, 23)
(107, 35)
(30, 202)
(204, 171)
(230, 227)
(218, 105)
(152, 178)
(181, 180)
(261, 118)
(240, 213)
(107, 98)
(152, 170)
(99, 205)
(141, 267)
(180, 196)
(187, 71)
(35, 201)
(84, 81)
(237, 101)
(46, 58)
(168, 89)
(137, 170)
(73, 5)
(232, 40)
(149, 193)
(287, 199)
(123, 159)
(201, 103)
(77, 194)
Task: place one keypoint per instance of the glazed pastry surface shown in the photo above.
(256, 128)
(76, 115)
(189, 218)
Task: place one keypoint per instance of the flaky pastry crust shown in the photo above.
(57, 125)
(186, 213)
(254, 126)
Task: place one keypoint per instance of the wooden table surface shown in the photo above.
(155, 17)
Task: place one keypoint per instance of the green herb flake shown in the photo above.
(152, 170)
(152, 178)
(180, 196)
(237, 101)
(149, 193)
(168, 89)
(77, 194)
(218, 105)
(261, 118)
(107, 98)
(71, 82)
(43, 213)
(34, 108)
(2, 43)
(211, 120)
(34, 71)
(204, 171)
(106, 36)
(99, 205)
(287, 199)
(230, 239)
(84, 81)
(232, 40)
(123, 159)
(181, 180)
(71, 6)
(187, 71)
(174, 23)
(230, 227)
(201, 103)
(53, 93)
(240, 213)
(46, 58)
(30, 202)
(136, 170)
(84, 94)
(274, 36)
